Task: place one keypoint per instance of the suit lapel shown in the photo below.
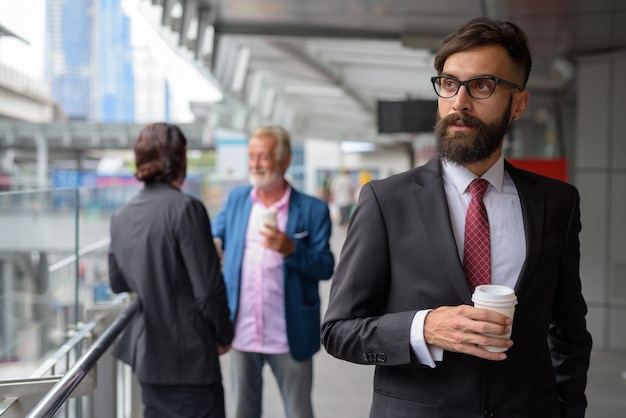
(241, 228)
(430, 197)
(532, 200)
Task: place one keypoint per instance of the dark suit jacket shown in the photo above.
(162, 249)
(309, 226)
(400, 256)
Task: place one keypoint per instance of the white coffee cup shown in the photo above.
(497, 298)
(268, 217)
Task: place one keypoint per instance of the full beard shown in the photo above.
(261, 179)
(470, 147)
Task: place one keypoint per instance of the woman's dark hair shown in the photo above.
(483, 31)
(160, 153)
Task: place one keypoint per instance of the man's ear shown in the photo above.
(520, 102)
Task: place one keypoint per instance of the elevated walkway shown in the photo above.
(24, 98)
(80, 135)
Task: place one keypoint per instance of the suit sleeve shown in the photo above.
(356, 326)
(569, 341)
(203, 266)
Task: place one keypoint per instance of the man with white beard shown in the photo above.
(275, 243)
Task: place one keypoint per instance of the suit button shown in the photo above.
(375, 357)
(489, 414)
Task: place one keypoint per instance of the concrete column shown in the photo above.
(600, 175)
(42, 160)
(7, 298)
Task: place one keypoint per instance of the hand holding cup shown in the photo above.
(498, 298)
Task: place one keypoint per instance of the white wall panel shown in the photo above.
(593, 242)
(592, 137)
(618, 110)
(617, 259)
(617, 330)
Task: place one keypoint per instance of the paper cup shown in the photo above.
(268, 217)
(497, 298)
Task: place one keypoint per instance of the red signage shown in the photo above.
(554, 167)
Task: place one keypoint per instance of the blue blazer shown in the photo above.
(309, 226)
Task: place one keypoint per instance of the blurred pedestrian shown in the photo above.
(343, 195)
(323, 191)
(364, 178)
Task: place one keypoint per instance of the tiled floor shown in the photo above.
(343, 389)
(606, 386)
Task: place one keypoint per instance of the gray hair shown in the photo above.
(283, 148)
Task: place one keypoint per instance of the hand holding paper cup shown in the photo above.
(497, 298)
(268, 217)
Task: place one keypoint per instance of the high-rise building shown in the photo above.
(68, 54)
(89, 59)
(112, 64)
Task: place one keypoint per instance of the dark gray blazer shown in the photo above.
(162, 249)
(400, 256)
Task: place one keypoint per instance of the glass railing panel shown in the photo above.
(54, 262)
(38, 229)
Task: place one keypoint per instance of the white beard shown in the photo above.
(264, 180)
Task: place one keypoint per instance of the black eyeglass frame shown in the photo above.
(496, 81)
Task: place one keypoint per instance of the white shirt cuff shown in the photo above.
(426, 354)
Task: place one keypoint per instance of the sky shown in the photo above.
(26, 18)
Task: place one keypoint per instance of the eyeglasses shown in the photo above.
(477, 87)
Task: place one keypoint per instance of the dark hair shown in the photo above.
(160, 153)
(483, 31)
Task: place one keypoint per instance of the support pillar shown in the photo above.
(7, 299)
(42, 160)
(600, 175)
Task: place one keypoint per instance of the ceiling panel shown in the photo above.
(319, 66)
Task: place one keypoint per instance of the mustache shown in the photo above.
(257, 171)
(468, 120)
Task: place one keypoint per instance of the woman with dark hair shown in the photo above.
(162, 250)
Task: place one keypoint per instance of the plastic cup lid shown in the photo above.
(494, 294)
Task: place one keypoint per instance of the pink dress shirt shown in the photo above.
(260, 324)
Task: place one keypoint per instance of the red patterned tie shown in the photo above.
(477, 251)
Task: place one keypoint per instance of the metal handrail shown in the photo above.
(63, 351)
(62, 390)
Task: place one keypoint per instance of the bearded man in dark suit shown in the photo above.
(400, 299)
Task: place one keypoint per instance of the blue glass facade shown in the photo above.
(114, 69)
(89, 60)
(68, 30)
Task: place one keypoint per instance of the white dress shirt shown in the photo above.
(506, 230)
